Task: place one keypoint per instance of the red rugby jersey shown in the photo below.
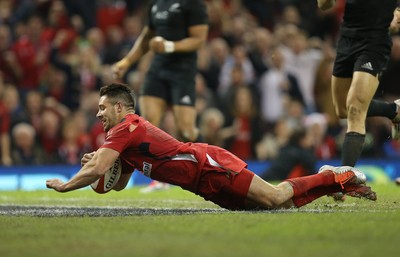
(154, 152)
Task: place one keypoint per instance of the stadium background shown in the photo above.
(54, 55)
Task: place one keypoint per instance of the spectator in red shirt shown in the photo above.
(31, 51)
(73, 144)
(245, 131)
(9, 65)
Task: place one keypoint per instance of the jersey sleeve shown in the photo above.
(196, 12)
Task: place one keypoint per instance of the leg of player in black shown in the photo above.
(388, 110)
(350, 104)
(353, 142)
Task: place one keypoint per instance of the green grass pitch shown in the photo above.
(178, 223)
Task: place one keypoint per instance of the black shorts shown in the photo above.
(369, 55)
(176, 87)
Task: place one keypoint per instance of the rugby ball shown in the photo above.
(106, 182)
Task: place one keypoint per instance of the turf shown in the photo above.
(177, 223)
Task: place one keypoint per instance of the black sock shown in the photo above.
(352, 147)
(381, 108)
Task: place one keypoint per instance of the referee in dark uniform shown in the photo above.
(363, 52)
(175, 30)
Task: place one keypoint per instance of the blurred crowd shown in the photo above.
(263, 74)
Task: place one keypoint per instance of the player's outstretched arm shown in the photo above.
(101, 161)
(326, 4)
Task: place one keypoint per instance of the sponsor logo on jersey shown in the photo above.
(367, 66)
(147, 169)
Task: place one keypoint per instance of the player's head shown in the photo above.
(116, 100)
(117, 92)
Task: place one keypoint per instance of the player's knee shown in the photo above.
(354, 111)
(277, 201)
(188, 135)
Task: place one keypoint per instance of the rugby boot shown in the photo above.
(345, 174)
(359, 191)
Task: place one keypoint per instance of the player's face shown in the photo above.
(107, 113)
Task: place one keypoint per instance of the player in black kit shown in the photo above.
(176, 29)
(363, 51)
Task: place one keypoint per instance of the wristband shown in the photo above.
(169, 46)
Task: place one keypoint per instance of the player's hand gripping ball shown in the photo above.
(106, 182)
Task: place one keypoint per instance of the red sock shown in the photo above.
(315, 193)
(303, 184)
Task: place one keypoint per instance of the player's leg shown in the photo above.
(351, 189)
(390, 110)
(265, 195)
(152, 108)
(153, 98)
(384, 109)
(302, 190)
(355, 188)
(379, 62)
(340, 89)
(362, 90)
(185, 117)
(183, 97)
(350, 99)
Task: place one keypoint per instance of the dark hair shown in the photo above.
(119, 92)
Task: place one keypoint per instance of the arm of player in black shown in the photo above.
(140, 48)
